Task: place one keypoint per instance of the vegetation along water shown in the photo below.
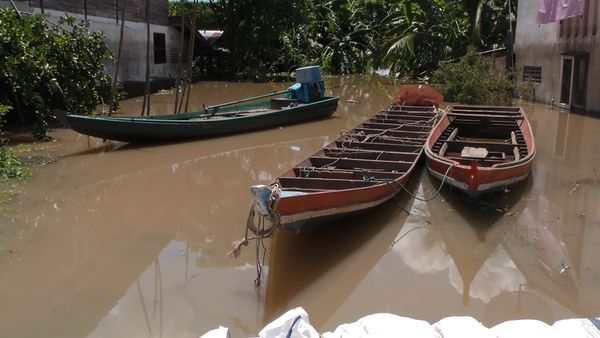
(106, 239)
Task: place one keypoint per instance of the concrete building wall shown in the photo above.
(535, 45)
(545, 45)
(133, 57)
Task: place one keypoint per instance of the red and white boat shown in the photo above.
(481, 149)
(363, 168)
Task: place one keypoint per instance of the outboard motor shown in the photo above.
(309, 85)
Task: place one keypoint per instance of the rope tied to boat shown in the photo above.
(370, 138)
(266, 204)
(369, 179)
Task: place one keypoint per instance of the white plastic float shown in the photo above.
(295, 324)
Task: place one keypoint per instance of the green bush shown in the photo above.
(10, 166)
(526, 90)
(474, 80)
(45, 66)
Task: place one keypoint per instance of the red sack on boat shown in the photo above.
(418, 95)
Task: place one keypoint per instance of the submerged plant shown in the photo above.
(10, 166)
(474, 79)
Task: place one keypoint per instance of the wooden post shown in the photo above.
(18, 11)
(191, 55)
(85, 9)
(146, 105)
(180, 63)
(111, 102)
(41, 5)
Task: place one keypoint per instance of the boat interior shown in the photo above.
(487, 135)
(235, 111)
(380, 150)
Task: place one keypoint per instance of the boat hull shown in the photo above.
(487, 182)
(477, 176)
(310, 213)
(365, 167)
(155, 129)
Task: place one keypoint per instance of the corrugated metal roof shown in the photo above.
(210, 35)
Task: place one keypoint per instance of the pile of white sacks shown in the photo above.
(295, 324)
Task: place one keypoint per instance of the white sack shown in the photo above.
(382, 325)
(462, 327)
(295, 320)
(525, 328)
(578, 328)
(221, 332)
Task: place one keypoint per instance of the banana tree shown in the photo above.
(419, 35)
(490, 21)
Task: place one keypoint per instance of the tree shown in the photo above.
(489, 21)
(474, 80)
(254, 33)
(44, 67)
(419, 34)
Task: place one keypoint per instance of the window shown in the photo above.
(160, 50)
(532, 73)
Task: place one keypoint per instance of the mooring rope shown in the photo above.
(370, 138)
(423, 199)
(257, 226)
(427, 199)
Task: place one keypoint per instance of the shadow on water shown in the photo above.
(483, 214)
(471, 230)
(318, 270)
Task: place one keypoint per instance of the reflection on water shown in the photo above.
(110, 239)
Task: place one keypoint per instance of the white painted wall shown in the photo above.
(133, 58)
(540, 45)
(537, 45)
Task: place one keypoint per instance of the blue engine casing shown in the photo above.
(310, 86)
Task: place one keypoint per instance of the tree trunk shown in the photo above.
(111, 101)
(146, 105)
(178, 81)
(191, 56)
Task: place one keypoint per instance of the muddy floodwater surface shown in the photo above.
(115, 240)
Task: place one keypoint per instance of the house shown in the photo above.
(165, 36)
(560, 58)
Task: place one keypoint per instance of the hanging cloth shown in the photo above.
(556, 10)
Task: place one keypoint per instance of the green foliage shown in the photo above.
(489, 22)
(474, 80)
(43, 67)
(4, 110)
(254, 33)
(206, 17)
(11, 167)
(409, 37)
(526, 90)
(419, 34)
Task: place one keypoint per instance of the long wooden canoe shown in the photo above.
(488, 148)
(363, 168)
(212, 121)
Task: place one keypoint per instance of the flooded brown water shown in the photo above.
(114, 240)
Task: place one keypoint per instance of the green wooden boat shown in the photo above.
(302, 102)
(206, 123)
